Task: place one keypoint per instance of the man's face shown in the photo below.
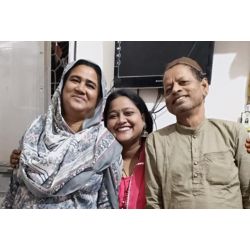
(184, 94)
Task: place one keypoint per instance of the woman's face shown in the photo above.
(125, 121)
(80, 93)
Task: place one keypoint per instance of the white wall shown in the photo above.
(231, 67)
(99, 52)
(227, 96)
(23, 94)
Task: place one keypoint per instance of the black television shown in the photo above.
(140, 64)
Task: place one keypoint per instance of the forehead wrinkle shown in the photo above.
(177, 74)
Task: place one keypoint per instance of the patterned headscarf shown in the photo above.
(57, 162)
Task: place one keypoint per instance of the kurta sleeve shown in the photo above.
(153, 186)
(243, 163)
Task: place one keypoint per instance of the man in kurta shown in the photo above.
(196, 162)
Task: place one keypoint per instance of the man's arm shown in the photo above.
(243, 162)
(153, 185)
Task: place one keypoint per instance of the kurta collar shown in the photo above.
(190, 131)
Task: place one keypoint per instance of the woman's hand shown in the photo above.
(15, 157)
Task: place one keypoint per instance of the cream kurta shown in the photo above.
(203, 168)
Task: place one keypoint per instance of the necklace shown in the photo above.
(129, 165)
(124, 173)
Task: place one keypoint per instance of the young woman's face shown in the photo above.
(80, 93)
(125, 121)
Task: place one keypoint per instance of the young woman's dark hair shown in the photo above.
(90, 64)
(137, 100)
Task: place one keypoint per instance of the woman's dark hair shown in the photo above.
(136, 99)
(90, 64)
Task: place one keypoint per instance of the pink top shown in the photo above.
(131, 189)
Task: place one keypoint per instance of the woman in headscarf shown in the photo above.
(69, 159)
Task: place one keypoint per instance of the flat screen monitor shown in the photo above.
(141, 64)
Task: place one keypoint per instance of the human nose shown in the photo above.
(81, 87)
(176, 87)
(121, 118)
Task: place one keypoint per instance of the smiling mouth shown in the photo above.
(123, 129)
(179, 99)
(79, 97)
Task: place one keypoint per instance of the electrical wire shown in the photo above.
(157, 111)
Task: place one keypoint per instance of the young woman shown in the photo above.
(128, 119)
(68, 158)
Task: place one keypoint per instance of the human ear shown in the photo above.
(205, 87)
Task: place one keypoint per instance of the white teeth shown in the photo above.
(179, 98)
(123, 129)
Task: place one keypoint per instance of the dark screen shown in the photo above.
(141, 64)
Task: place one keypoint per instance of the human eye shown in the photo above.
(74, 79)
(183, 82)
(168, 90)
(129, 112)
(91, 85)
(112, 115)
